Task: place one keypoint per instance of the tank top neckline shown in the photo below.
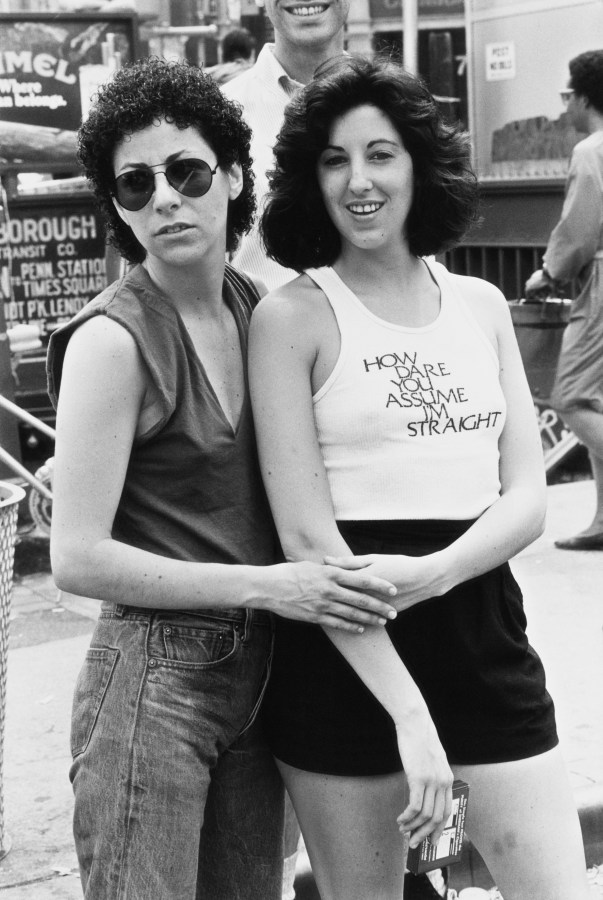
(154, 291)
(339, 283)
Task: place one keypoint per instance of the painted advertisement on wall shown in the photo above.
(50, 65)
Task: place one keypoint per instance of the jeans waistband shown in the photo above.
(246, 617)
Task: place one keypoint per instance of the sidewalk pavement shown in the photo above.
(563, 596)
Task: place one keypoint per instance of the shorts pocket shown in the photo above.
(512, 604)
(90, 690)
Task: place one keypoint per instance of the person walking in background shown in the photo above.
(394, 421)
(238, 54)
(575, 251)
(306, 34)
(159, 512)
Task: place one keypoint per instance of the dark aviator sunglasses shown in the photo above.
(190, 177)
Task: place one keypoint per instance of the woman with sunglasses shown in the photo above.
(159, 512)
(394, 422)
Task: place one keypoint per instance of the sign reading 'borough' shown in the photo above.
(52, 261)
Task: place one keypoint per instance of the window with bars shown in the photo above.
(507, 267)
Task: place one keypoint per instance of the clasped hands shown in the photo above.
(350, 593)
(416, 578)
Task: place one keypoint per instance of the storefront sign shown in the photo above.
(441, 7)
(500, 61)
(52, 260)
(50, 64)
(387, 9)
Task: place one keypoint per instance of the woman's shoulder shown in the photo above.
(295, 318)
(92, 332)
(486, 304)
(104, 334)
(117, 314)
(295, 300)
(472, 288)
(482, 296)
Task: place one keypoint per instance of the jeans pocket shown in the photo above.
(198, 646)
(90, 690)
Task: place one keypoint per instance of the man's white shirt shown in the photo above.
(263, 91)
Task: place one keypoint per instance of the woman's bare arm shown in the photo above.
(103, 392)
(282, 353)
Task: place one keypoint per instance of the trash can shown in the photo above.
(10, 497)
(539, 327)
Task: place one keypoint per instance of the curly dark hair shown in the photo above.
(586, 77)
(139, 95)
(296, 228)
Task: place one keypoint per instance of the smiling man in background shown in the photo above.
(306, 34)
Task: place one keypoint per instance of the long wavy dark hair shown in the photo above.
(296, 228)
(141, 94)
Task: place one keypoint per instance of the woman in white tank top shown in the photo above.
(394, 422)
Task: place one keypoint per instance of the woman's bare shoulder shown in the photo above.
(477, 289)
(103, 352)
(299, 302)
(484, 299)
(102, 334)
(487, 305)
(299, 292)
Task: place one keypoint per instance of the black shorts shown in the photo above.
(468, 652)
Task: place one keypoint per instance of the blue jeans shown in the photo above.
(176, 794)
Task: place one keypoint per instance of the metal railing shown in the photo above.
(506, 266)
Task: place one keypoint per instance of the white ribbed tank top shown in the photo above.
(409, 419)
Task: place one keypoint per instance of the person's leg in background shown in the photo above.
(587, 425)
